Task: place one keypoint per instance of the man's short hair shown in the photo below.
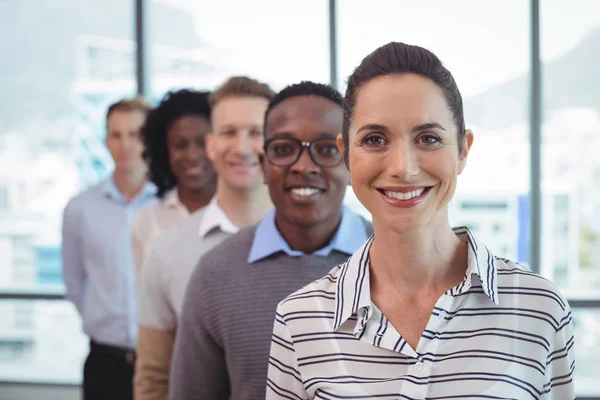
(241, 86)
(129, 105)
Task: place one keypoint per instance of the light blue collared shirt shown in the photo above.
(350, 235)
(97, 257)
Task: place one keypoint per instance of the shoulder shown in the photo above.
(241, 242)
(317, 296)
(145, 219)
(226, 257)
(181, 233)
(78, 203)
(522, 288)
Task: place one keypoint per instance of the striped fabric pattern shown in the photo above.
(503, 333)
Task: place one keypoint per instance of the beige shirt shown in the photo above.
(171, 259)
(153, 220)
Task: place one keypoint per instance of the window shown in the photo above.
(60, 81)
(570, 52)
(57, 84)
(587, 350)
(41, 341)
(485, 46)
(202, 43)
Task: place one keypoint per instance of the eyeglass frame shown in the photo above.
(303, 145)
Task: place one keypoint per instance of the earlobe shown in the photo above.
(208, 143)
(466, 148)
(339, 141)
(262, 160)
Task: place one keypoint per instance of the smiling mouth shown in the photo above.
(304, 191)
(404, 195)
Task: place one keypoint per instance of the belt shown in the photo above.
(120, 352)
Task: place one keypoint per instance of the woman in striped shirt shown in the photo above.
(422, 310)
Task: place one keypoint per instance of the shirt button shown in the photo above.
(441, 315)
(419, 366)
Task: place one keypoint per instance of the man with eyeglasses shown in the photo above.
(224, 335)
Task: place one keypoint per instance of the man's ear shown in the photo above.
(339, 140)
(262, 160)
(466, 147)
(209, 145)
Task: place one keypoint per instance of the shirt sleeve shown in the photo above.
(283, 377)
(560, 363)
(199, 368)
(73, 269)
(153, 362)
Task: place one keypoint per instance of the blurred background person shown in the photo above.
(174, 138)
(235, 146)
(97, 256)
(223, 340)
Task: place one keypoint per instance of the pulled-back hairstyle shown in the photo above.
(304, 88)
(400, 58)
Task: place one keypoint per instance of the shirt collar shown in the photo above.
(111, 190)
(171, 199)
(214, 217)
(351, 233)
(353, 284)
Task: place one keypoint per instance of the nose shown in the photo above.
(403, 160)
(193, 152)
(305, 164)
(243, 144)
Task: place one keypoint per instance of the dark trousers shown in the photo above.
(108, 373)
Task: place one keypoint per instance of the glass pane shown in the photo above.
(41, 341)
(201, 43)
(570, 46)
(587, 351)
(485, 44)
(56, 85)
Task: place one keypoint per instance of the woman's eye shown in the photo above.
(429, 139)
(374, 140)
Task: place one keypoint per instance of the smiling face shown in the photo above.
(235, 144)
(124, 142)
(404, 153)
(305, 194)
(187, 154)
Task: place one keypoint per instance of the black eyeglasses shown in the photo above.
(284, 152)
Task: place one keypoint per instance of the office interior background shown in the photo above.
(529, 72)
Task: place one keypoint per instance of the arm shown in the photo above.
(156, 334)
(560, 364)
(283, 378)
(74, 274)
(199, 368)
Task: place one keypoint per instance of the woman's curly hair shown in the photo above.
(174, 105)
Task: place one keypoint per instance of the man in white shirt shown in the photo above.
(235, 148)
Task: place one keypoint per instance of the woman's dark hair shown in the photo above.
(173, 106)
(304, 88)
(401, 58)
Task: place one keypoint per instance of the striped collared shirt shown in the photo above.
(502, 333)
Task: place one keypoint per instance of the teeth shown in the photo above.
(404, 196)
(305, 191)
